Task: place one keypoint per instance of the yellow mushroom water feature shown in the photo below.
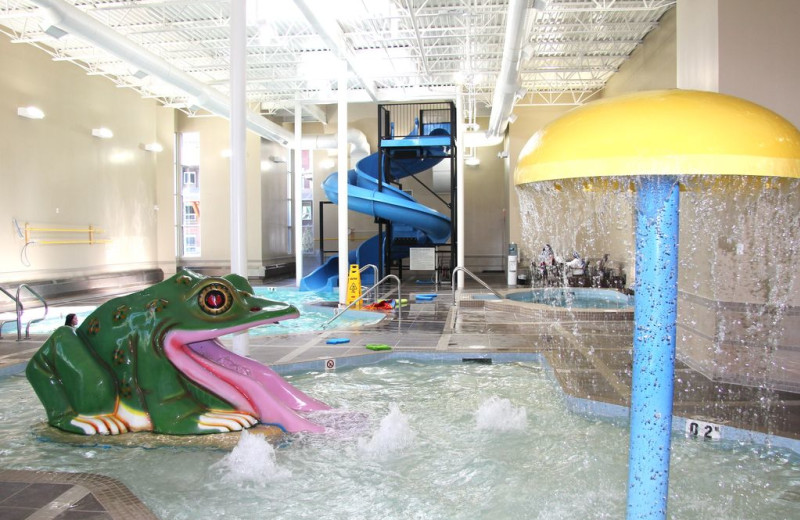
(658, 139)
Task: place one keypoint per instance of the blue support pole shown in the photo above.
(655, 312)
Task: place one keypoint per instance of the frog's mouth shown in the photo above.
(247, 385)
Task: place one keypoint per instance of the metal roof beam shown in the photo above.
(335, 40)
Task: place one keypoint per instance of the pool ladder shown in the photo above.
(19, 309)
(454, 314)
(367, 292)
(474, 277)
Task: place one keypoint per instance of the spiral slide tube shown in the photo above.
(409, 218)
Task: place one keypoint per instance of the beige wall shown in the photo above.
(56, 174)
(698, 44)
(166, 192)
(485, 209)
(63, 177)
(736, 47)
(653, 65)
(275, 245)
(758, 53)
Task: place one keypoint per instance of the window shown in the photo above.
(190, 176)
(189, 214)
(189, 179)
(307, 196)
(190, 246)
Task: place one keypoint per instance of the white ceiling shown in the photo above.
(397, 50)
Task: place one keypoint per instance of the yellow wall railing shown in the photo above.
(91, 233)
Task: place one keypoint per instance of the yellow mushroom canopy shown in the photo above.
(663, 132)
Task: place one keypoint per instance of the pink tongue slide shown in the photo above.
(246, 384)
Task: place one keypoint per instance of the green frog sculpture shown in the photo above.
(152, 361)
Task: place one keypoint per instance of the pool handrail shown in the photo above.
(474, 277)
(374, 270)
(19, 311)
(365, 293)
(3, 322)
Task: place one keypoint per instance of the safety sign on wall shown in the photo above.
(422, 259)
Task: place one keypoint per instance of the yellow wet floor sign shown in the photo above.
(354, 286)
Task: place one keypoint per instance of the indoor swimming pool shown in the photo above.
(415, 439)
(313, 314)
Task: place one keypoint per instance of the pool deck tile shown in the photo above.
(590, 360)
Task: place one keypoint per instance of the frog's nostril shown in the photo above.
(255, 309)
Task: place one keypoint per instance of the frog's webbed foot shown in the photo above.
(103, 424)
(124, 419)
(225, 421)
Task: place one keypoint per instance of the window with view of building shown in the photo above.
(189, 178)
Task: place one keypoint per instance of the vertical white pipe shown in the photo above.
(298, 194)
(460, 129)
(238, 184)
(342, 184)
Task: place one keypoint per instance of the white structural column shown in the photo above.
(298, 193)
(460, 129)
(342, 184)
(238, 183)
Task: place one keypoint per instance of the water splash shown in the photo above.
(499, 414)
(578, 216)
(252, 461)
(341, 423)
(393, 435)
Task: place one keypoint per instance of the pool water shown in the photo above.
(424, 441)
(56, 314)
(312, 314)
(574, 297)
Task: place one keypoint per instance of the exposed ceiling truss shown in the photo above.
(397, 50)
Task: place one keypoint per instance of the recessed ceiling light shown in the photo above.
(102, 133)
(30, 112)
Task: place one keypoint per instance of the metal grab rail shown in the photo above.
(3, 322)
(352, 303)
(471, 275)
(374, 271)
(19, 312)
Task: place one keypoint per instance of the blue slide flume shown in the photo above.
(411, 221)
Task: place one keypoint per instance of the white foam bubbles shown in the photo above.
(252, 461)
(499, 414)
(393, 435)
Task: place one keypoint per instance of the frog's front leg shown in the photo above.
(77, 389)
(186, 413)
(225, 421)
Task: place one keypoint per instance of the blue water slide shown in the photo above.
(411, 221)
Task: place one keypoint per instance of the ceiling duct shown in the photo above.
(74, 21)
(506, 87)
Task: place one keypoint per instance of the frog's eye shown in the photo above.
(215, 299)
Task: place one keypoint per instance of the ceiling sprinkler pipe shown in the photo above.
(481, 139)
(506, 87)
(360, 145)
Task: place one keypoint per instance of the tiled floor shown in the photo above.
(40, 495)
(590, 359)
